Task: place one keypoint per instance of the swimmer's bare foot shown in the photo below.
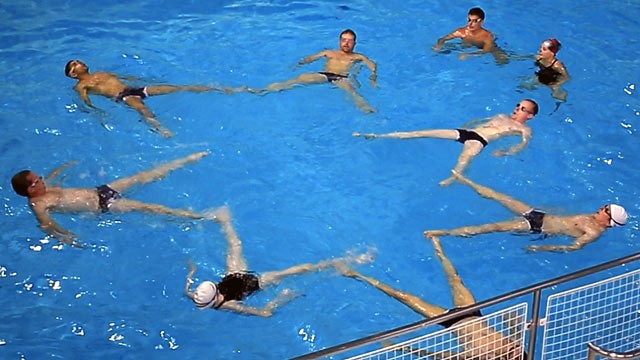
(432, 233)
(221, 214)
(197, 156)
(166, 133)
(364, 258)
(258, 91)
(448, 181)
(344, 270)
(461, 178)
(368, 109)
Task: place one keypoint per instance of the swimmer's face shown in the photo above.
(604, 215)
(37, 184)
(77, 67)
(523, 111)
(347, 43)
(474, 22)
(544, 50)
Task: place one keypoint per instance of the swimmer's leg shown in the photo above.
(466, 231)
(137, 103)
(236, 261)
(559, 93)
(470, 150)
(449, 134)
(159, 172)
(507, 201)
(461, 294)
(415, 303)
(168, 89)
(273, 277)
(362, 104)
(307, 78)
(126, 205)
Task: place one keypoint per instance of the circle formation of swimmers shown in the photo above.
(239, 282)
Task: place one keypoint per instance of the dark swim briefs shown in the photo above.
(137, 92)
(535, 219)
(331, 77)
(451, 322)
(106, 197)
(466, 135)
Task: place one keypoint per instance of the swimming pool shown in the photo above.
(301, 188)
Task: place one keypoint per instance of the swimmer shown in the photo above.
(552, 71)
(477, 338)
(239, 282)
(584, 228)
(336, 71)
(44, 200)
(110, 85)
(473, 34)
(475, 139)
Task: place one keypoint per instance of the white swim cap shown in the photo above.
(205, 294)
(618, 215)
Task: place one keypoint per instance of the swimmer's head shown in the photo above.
(22, 181)
(71, 65)
(553, 45)
(350, 32)
(476, 11)
(534, 105)
(205, 295)
(617, 214)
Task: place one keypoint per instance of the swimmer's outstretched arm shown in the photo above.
(373, 67)
(83, 92)
(578, 244)
(192, 271)
(526, 136)
(51, 228)
(312, 58)
(283, 297)
(455, 34)
(60, 169)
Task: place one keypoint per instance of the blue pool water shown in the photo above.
(300, 187)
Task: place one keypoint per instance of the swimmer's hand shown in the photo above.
(284, 297)
(437, 47)
(463, 56)
(69, 239)
(501, 152)
(366, 136)
(374, 80)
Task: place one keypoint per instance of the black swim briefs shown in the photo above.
(535, 219)
(466, 135)
(331, 77)
(106, 197)
(137, 92)
(449, 323)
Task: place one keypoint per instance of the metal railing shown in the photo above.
(595, 350)
(535, 291)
